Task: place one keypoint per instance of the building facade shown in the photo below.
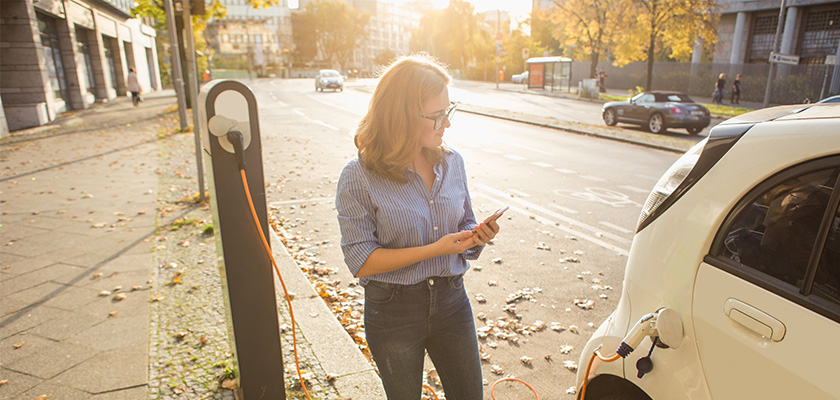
(264, 35)
(747, 29)
(388, 33)
(60, 55)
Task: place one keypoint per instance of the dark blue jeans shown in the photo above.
(401, 321)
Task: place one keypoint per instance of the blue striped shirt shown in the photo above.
(375, 212)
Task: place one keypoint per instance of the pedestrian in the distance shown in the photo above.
(736, 90)
(407, 231)
(602, 80)
(719, 89)
(134, 87)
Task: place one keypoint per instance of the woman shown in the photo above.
(719, 88)
(134, 86)
(406, 219)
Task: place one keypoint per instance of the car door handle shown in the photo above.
(754, 319)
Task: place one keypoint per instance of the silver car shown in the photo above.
(329, 79)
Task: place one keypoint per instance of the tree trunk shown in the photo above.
(593, 67)
(651, 48)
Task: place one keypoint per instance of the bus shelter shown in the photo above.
(550, 73)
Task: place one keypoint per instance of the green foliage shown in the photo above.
(635, 91)
(590, 25)
(454, 35)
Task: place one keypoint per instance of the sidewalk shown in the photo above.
(109, 287)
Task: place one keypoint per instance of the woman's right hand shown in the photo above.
(456, 243)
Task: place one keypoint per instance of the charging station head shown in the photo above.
(220, 125)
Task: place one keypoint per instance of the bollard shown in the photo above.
(227, 106)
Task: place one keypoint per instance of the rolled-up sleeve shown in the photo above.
(468, 221)
(355, 218)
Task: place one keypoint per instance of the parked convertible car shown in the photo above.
(658, 111)
(732, 286)
(329, 79)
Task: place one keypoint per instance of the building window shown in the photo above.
(108, 46)
(84, 59)
(762, 37)
(820, 36)
(52, 56)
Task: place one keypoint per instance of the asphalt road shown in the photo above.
(574, 204)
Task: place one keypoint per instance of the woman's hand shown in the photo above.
(484, 233)
(456, 243)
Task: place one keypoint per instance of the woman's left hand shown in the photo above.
(484, 233)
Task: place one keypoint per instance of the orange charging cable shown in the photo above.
(595, 353)
(277, 270)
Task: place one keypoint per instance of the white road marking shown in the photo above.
(508, 144)
(635, 189)
(565, 171)
(315, 121)
(563, 209)
(313, 200)
(541, 164)
(515, 157)
(593, 178)
(570, 231)
(491, 151)
(518, 193)
(616, 227)
(531, 206)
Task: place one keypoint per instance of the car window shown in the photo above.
(645, 98)
(827, 279)
(329, 74)
(776, 231)
(679, 98)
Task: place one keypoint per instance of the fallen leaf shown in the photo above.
(181, 335)
(112, 314)
(43, 397)
(570, 365)
(203, 340)
(571, 390)
(4, 382)
(18, 345)
(96, 275)
(229, 384)
(119, 296)
(157, 297)
(117, 289)
(526, 360)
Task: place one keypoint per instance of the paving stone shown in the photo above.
(25, 318)
(57, 273)
(18, 383)
(65, 324)
(57, 392)
(51, 361)
(112, 370)
(115, 333)
(31, 344)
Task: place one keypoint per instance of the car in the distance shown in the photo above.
(658, 111)
(732, 286)
(329, 79)
(520, 78)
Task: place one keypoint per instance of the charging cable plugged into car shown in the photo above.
(665, 329)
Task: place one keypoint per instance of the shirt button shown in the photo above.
(431, 282)
(431, 202)
(435, 228)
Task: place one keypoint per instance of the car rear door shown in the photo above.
(766, 302)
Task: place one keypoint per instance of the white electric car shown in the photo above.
(733, 278)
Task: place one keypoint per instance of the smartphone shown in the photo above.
(496, 214)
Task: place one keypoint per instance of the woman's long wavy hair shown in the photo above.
(388, 135)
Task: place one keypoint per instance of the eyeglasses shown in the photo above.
(441, 118)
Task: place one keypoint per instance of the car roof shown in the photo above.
(788, 112)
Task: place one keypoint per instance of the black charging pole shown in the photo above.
(229, 112)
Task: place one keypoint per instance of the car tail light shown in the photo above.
(676, 110)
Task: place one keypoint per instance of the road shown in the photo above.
(574, 204)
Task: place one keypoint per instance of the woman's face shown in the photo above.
(436, 106)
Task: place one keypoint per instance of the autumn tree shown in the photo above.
(454, 35)
(338, 29)
(514, 44)
(671, 26)
(544, 33)
(590, 25)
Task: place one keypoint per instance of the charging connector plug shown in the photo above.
(238, 140)
(634, 338)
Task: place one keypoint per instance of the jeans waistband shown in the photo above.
(430, 281)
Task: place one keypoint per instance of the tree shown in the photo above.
(671, 26)
(331, 27)
(544, 33)
(453, 35)
(590, 25)
(517, 41)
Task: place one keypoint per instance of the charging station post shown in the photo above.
(230, 136)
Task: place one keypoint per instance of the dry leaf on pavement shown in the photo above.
(229, 384)
(18, 345)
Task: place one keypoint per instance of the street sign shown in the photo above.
(525, 53)
(498, 48)
(784, 58)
